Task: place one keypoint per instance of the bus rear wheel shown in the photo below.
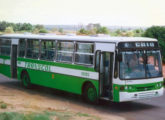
(25, 80)
(90, 94)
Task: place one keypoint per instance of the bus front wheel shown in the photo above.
(90, 94)
(25, 80)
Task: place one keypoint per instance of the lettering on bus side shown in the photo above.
(86, 74)
(37, 66)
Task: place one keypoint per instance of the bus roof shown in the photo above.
(78, 38)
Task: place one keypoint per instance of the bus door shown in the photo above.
(14, 58)
(105, 59)
(106, 71)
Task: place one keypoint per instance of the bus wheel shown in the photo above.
(90, 94)
(25, 80)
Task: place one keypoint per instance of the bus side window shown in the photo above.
(65, 51)
(32, 49)
(5, 47)
(22, 47)
(47, 50)
(84, 53)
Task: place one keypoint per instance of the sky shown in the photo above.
(82, 12)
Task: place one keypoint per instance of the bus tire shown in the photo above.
(90, 94)
(25, 80)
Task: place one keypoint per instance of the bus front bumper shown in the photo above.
(127, 96)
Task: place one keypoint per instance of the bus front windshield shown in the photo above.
(140, 64)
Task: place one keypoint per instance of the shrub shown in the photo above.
(3, 106)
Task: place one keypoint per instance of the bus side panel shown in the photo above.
(5, 66)
(59, 81)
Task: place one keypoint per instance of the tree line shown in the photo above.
(9, 27)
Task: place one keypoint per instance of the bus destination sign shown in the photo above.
(134, 45)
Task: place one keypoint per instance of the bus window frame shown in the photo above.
(93, 54)
(9, 39)
(37, 58)
(18, 50)
(58, 50)
(47, 40)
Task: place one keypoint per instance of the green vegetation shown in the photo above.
(3, 105)
(21, 116)
(7, 27)
(93, 29)
(87, 115)
(60, 30)
(157, 32)
(43, 30)
(47, 115)
(83, 114)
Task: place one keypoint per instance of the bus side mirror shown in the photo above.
(119, 57)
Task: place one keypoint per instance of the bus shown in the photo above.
(116, 69)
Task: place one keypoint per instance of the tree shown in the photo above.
(83, 31)
(26, 27)
(157, 32)
(60, 30)
(9, 30)
(103, 30)
(39, 26)
(3, 25)
(43, 30)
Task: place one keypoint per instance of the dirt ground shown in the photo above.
(19, 99)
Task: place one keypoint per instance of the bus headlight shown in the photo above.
(130, 87)
(126, 87)
(157, 85)
(160, 84)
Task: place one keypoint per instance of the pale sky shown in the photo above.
(105, 12)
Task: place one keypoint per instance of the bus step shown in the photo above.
(104, 98)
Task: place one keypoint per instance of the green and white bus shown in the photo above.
(112, 68)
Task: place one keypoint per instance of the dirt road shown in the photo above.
(41, 99)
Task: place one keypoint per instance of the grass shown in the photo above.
(60, 115)
(45, 116)
(83, 114)
(21, 116)
(91, 117)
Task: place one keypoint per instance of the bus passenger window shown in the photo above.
(22, 47)
(47, 50)
(5, 47)
(84, 53)
(32, 49)
(65, 51)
